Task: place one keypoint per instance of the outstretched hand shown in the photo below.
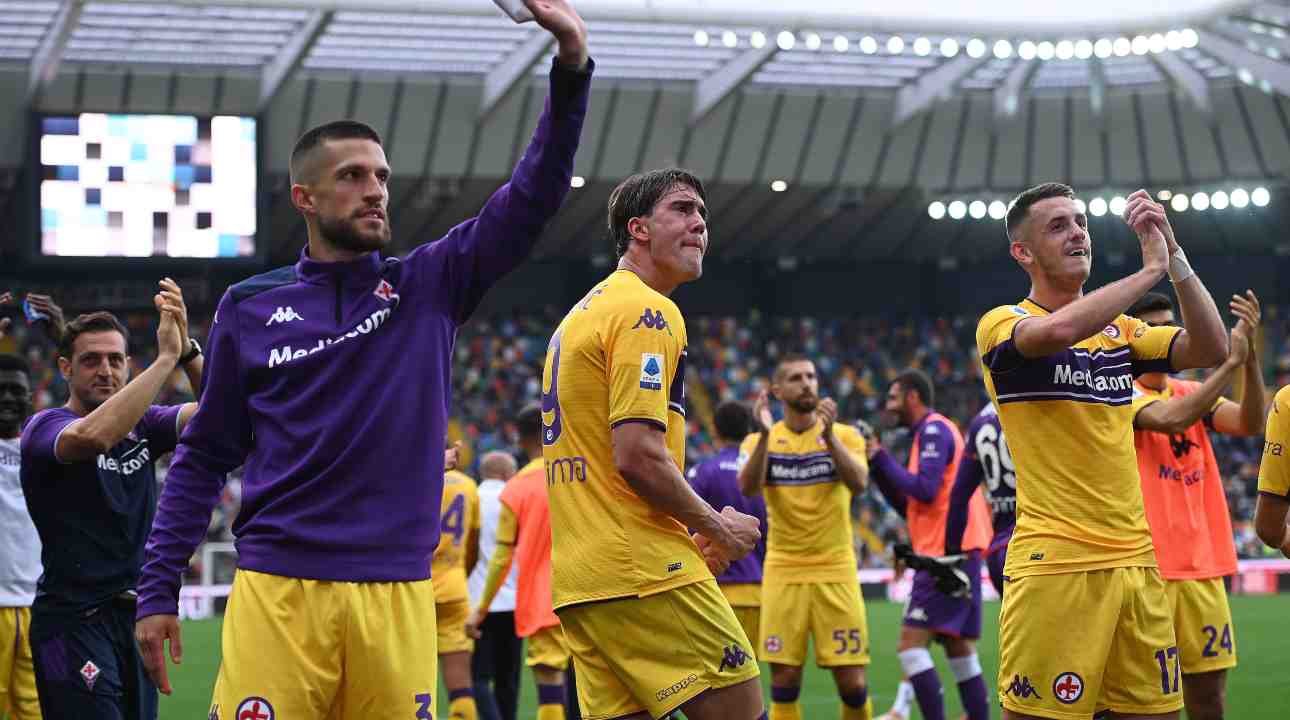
(559, 18)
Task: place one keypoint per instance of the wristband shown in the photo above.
(1179, 269)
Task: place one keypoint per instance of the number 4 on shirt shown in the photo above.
(454, 519)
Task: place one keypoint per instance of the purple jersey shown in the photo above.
(716, 481)
(330, 382)
(988, 450)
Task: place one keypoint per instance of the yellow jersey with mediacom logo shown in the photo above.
(1274, 472)
(459, 516)
(808, 508)
(1069, 422)
(617, 357)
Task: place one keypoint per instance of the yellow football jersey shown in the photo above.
(618, 356)
(1069, 422)
(1274, 473)
(459, 516)
(808, 508)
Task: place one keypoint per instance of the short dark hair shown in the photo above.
(528, 422)
(15, 363)
(1151, 302)
(733, 420)
(90, 322)
(334, 130)
(793, 357)
(917, 381)
(636, 197)
(1020, 205)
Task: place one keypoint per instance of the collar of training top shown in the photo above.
(368, 265)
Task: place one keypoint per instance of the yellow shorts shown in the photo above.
(548, 648)
(831, 613)
(655, 653)
(1203, 624)
(17, 674)
(1078, 643)
(451, 620)
(745, 600)
(330, 650)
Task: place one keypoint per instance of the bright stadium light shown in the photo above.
(1026, 50)
(1140, 45)
(976, 48)
(758, 39)
(1080, 207)
(1200, 201)
(1097, 207)
(1218, 200)
(1103, 48)
(812, 41)
(977, 209)
(1045, 50)
(1240, 198)
(1003, 49)
(998, 210)
(701, 38)
(1065, 50)
(922, 47)
(949, 47)
(1117, 205)
(785, 40)
(1122, 46)
(1164, 195)
(1180, 203)
(1083, 49)
(1245, 76)
(1260, 197)
(1189, 38)
(778, 186)
(936, 210)
(577, 181)
(895, 44)
(958, 209)
(868, 45)
(1156, 43)
(729, 38)
(841, 43)
(1173, 40)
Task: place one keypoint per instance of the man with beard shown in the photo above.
(88, 477)
(809, 467)
(329, 380)
(921, 492)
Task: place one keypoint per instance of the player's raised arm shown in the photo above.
(1249, 416)
(1178, 413)
(753, 454)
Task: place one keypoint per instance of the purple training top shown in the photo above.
(330, 382)
(716, 481)
(985, 457)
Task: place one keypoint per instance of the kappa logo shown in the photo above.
(1111, 331)
(283, 315)
(254, 708)
(1068, 688)
(674, 567)
(676, 687)
(774, 644)
(1142, 330)
(385, 291)
(90, 673)
(651, 371)
(654, 320)
(1181, 445)
(1022, 689)
(733, 657)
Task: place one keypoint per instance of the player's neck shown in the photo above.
(324, 252)
(798, 422)
(1052, 297)
(1154, 381)
(918, 416)
(649, 274)
(76, 406)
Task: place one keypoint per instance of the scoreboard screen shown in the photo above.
(116, 185)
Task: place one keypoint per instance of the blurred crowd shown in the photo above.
(498, 367)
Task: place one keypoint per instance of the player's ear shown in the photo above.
(303, 199)
(638, 229)
(1021, 253)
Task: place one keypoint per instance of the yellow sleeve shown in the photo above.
(643, 353)
(853, 441)
(1274, 472)
(508, 526)
(994, 341)
(746, 448)
(499, 566)
(1149, 347)
(1142, 398)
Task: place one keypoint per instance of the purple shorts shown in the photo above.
(929, 608)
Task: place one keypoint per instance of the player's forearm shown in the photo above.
(1084, 318)
(922, 486)
(1254, 396)
(852, 474)
(1206, 341)
(753, 475)
(881, 468)
(193, 371)
(499, 566)
(656, 479)
(110, 422)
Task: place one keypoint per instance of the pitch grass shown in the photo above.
(1258, 689)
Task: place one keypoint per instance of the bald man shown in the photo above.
(495, 666)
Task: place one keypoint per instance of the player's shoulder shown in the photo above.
(1002, 312)
(850, 433)
(264, 282)
(1281, 401)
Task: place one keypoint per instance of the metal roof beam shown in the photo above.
(1276, 74)
(502, 79)
(44, 63)
(293, 53)
(1242, 33)
(709, 91)
(937, 84)
(1097, 87)
(1191, 81)
(1009, 94)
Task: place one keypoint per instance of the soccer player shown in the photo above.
(1272, 510)
(338, 409)
(88, 477)
(495, 663)
(648, 628)
(19, 549)
(921, 491)
(1191, 526)
(524, 533)
(809, 467)
(986, 458)
(456, 555)
(1059, 366)
(716, 481)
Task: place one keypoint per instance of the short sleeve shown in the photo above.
(1274, 471)
(994, 341)
(644, 354)
(40, 437)
(1149, 347)
(161, 427)
(1142, 398)
(854, 442)
(746, 450)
